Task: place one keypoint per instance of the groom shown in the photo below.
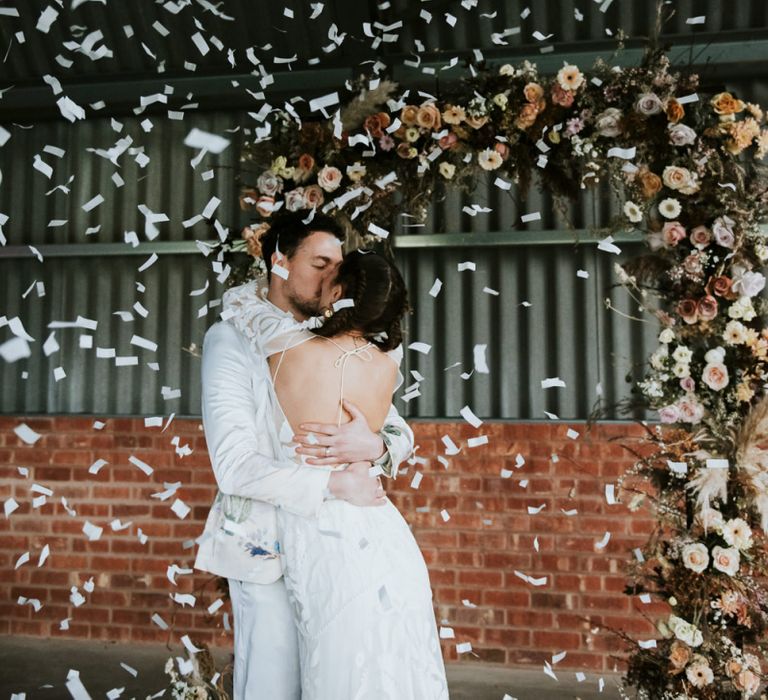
(240, 540)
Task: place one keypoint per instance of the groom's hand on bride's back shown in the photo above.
(356, 485)
(326, 444)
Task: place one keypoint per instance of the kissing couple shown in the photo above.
(330, 593)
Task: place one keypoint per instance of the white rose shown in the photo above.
(736, 532)
(648, 103)
(726, 560)
(750, 284)
(608, 122)
(294, 200)
(711, 520)
(685, 631)
(715, 376)
(507, 69)
(682, 354)
(715, 354)
(696, 557)
(681, 135)
(666, 336)
(681, 370)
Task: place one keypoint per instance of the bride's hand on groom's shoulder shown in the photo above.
(356, 485)
(330, 445)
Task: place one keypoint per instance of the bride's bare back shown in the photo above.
(308, 383)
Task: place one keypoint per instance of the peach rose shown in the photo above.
(428, 116)
(733, 667)
(329, 178)
(527, 116)
(695, 557)
(725, 103)
(533, 93)
(715, 376)
(679, 656)
(707, 308)
(408, 115)
(476, 122)
(252, 236)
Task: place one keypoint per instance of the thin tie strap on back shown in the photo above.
(363, 353)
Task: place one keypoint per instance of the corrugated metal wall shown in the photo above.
(566, 332)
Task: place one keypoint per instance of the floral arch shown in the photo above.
(686, 168)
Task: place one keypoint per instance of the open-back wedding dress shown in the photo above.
(360, 591)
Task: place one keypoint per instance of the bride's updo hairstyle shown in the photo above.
(380, 299)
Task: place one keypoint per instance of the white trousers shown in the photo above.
(266, 645)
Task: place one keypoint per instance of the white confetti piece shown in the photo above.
(378, 231)
(15, 349)
(624, 153)
(534, 216)
(93, 203)
(558, 657)
(677, 467)
(187, 642)
(686, 99)
(162, 624)
(477, 441)
(23, 559)
(447, 633)
(603, 542)
(645, 598)
(450, 445)
(717, 464)
(423, 348)
(463, 648)
(552, 382)
(502, 184)
(572, 434)
(184, 599)
(610, 494)
(436, 287)
(130, 669)
(533, 510)
(141, 465)
(9, 506)
(215, 605)
(700, 19)
(97, 465)
(417, 477)
(481, 365)
(92, 532)
(583, 274)
(180, 508)
(445, 515)
(468, 265)
(26, 434)
(647, 644)
(140, 342)
(59, 373)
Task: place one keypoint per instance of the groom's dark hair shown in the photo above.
(288, 230)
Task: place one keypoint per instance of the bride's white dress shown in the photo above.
(362, 601)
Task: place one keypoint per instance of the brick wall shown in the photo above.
(472, 555)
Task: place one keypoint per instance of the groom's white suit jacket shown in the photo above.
(238, 405)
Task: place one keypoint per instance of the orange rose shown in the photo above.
(527, 116)
(679, 656)
(675, 111)
(725, 103)
(376, 123)
(408, 115)
(428, 116)
(306, 162)
(650, 183)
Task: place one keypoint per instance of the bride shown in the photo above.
(356, 579)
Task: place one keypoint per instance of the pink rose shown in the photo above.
(329, 178)
(700, 237)
(561, 97)
(448, 141)
(726, 559)
(707, 308)
(265, 206)
(294, 200)
(688, 310)
(673, 232)
(691, 411)
(669, 414)
(313, 196)
(687, 384)
(722, 230)
(715, 376)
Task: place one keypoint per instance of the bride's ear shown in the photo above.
(336, 293)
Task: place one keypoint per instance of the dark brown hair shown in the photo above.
(287, 231)
(380, 299)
